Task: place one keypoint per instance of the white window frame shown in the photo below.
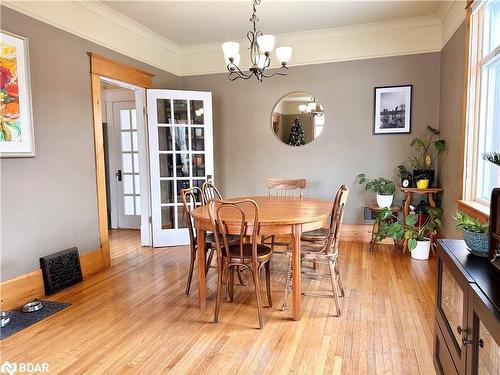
(475, 109)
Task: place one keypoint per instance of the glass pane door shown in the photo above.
(180, 126)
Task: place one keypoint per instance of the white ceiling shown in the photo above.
(196, 22)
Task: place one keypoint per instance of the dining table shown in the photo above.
(277, 216)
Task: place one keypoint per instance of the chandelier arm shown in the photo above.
(281, 71)
(235, 72)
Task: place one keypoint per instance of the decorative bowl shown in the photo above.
(477, 243)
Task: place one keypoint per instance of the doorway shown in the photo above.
(125, 154)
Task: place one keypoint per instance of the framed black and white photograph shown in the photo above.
(392, 110)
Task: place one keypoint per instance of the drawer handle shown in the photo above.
(461, 330)
(481, 343)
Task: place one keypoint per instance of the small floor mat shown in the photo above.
(20, 320)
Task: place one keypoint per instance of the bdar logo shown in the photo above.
(8, 368)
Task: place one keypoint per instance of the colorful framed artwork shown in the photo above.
(392, 110)
(16, 123)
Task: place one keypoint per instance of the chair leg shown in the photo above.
(231, 272)
(339, 280)
(211, 252)
(288, 282)
(268, 282)
(333, 277)
(190, 274)
(220, 271)
(256, 281)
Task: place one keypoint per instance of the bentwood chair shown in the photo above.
(189, 199)
(324, 252)
(245, 254)
(283, 188)
(210, 192)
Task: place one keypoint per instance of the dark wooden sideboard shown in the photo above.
(467, 316)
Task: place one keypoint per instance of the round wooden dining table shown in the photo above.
(277, 216)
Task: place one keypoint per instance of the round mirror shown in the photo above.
(298, 118)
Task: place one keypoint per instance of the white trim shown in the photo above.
(451, 20)
(100, 24)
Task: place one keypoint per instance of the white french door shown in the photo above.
(181, 156)
(124, 159)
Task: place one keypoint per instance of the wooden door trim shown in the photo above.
(103, 67)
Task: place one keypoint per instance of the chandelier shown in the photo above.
(312, 109)
(261, 46)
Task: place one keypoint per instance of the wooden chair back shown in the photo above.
(337, 218)
(241, 213)
(210, 192)
(286, 188)
(189, 198)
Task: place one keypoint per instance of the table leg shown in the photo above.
(296, 282)
(202, 294)
(430, 198)
(406, 211)
(374, 231)
(432, 203)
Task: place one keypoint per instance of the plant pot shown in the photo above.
(477, 243)
(384, 200)
(422, 184)
(423, 174)
(421, 252)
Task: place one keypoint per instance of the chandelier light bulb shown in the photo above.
(266, 43)
(302, 108)
(261, 61)
(230, 49)
(284, 54)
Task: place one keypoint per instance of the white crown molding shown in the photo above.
(452, 18)
(102, 25)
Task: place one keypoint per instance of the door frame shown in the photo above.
(107, 69)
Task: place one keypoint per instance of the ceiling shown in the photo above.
(197, 22)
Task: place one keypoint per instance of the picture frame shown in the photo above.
(392, 109)
(16, 115)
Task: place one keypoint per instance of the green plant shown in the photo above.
(427, 150)
(409, 230)
(378, 185)
(402, 171)
(466, 222)
(493, 157)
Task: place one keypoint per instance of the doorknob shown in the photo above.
(119, 174)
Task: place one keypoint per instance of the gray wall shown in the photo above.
(247, 152)
(450, 119)
(48, 203)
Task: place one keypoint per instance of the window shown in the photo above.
(483, 101)
(319, 123)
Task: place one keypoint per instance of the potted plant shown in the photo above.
(405, 175)
(476, 234)
(385, 189)
(426, 152)
(418, 237)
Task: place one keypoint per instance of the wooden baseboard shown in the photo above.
(25, 288)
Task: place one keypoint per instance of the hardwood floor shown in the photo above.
(134, 318)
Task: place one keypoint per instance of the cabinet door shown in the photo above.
(483, 344)
(451, 307)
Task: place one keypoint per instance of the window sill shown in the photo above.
(474, 209)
